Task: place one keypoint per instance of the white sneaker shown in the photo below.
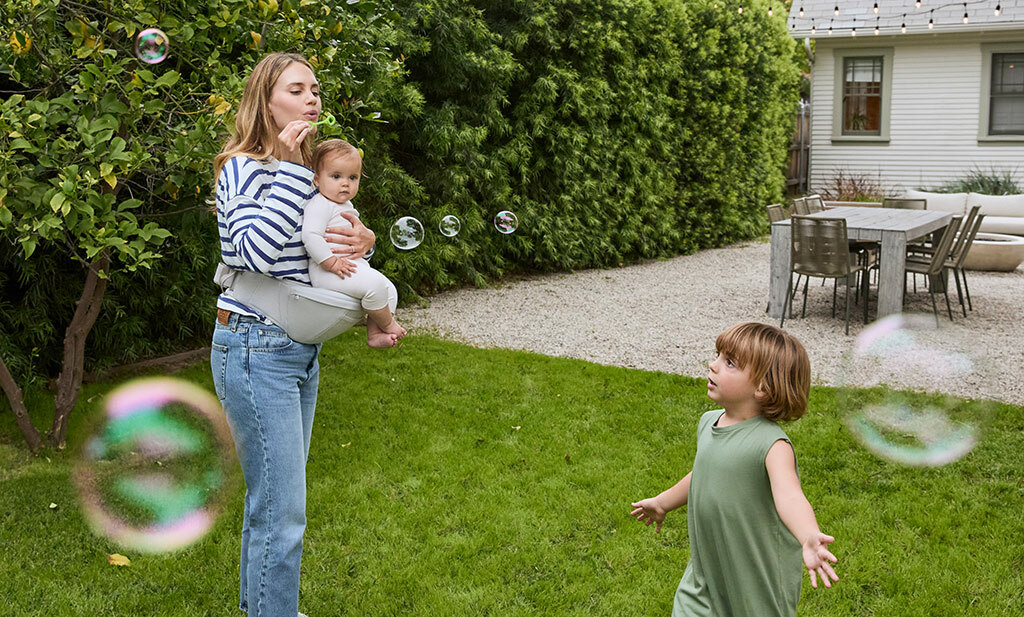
(302, 614)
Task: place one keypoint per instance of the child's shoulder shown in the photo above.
(708, 418)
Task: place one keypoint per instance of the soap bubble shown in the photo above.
(407, 233)
(450, 225)
(153, 474)
(369, 253)
(895, 392)
(506, 222)
(151, 46)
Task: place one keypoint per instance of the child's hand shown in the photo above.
(650, 510)
(816, 558)
(339, 266)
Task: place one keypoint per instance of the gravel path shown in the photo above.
(664, 316)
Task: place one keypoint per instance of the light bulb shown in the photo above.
(801, 13)
(917, 4)
(814, 29)
(875, 9)
(965, 12)
(740, 10)
(998, 8)
(931, 24)
(876, 30)
(903, 28)
(836, 11)
(769, 10)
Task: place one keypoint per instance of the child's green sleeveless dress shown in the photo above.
(744, 562)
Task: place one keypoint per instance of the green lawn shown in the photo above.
(424, 500)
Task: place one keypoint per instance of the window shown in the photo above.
(862, 96)
(1001, 104)
(1006, 111)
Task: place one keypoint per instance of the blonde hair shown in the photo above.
(255, 131)
(778, 364)
(333, 146)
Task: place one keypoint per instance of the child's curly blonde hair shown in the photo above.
(778, 365)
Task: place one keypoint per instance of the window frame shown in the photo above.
(985, 102)
(840, 56)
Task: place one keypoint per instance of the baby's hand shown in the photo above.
(650, 510)
(341, 267)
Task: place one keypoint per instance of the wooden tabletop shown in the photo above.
(869, 223)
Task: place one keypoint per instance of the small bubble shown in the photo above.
(450, 225)
(406, 233)
(506, 222)
(151, 46)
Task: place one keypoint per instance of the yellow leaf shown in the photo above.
(21, 42)
(135, 80)
(111, 180)
(53, 506)
(34, 117)
(223, 108)
(14, 134)
(337, 28)
(118, 560)
(257, 38)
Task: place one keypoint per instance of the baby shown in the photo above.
(337, 167)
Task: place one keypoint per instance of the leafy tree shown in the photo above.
(97, 148)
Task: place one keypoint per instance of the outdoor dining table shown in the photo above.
(892, 228)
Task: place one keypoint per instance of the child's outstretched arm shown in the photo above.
(654, 509)
(796, 512)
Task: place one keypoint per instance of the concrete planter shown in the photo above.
(996, 252)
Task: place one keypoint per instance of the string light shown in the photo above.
(740, 10)
(802, 12)
(875, 9)
(830, 27)
(917, 4)
(998, 8)
(814, 29)
(854, 31)
(836, 11)
(965, 12)
(876, 26)
(903, 26)
(931, 21)
(769, 10)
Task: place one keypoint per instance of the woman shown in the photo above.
(266, 381)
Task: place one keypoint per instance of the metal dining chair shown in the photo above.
(820, 247)
(958, 254)
(934, 265)
(814, 203)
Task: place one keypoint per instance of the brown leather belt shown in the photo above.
(222, 316)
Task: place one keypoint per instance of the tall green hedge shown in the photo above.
(616, 130)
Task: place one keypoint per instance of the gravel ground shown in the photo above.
(664, 316)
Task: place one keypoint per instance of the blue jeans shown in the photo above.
(267, 383)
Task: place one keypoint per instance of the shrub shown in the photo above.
(993, 182)
(847, 186)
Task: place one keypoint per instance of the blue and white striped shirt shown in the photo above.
(259, 217)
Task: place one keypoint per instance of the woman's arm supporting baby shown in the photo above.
(797, 514)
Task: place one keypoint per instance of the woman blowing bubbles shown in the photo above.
(266, 381)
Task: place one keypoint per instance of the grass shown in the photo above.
(424, 499)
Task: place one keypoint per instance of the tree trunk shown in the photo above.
(69, 383)
(14, 395)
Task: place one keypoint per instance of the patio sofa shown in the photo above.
(1004, 214)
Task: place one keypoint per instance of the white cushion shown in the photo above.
(997, 205)
(1003, 225)
(946, 202)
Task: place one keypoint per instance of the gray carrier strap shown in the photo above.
(308, 314)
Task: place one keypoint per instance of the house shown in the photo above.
(912, 96)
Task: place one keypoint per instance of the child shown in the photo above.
(749, 522)
(337, 167)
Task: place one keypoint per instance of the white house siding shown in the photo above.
(933, 129)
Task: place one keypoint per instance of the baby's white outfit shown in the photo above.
(373, 288)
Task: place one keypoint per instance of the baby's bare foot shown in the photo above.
(381, 340)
